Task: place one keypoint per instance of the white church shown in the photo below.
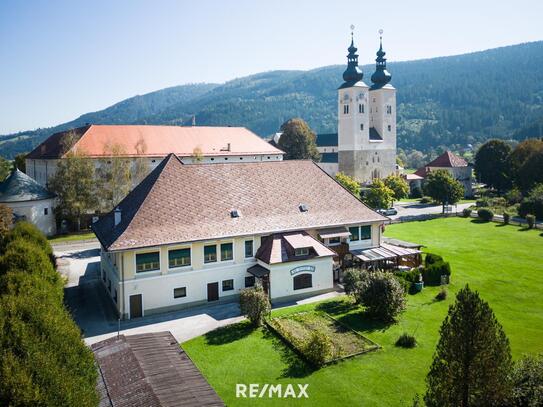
(365, 145)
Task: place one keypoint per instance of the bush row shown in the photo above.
(44, 361)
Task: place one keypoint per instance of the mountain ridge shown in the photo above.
(443, 101)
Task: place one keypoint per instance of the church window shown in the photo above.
(362, 127)
(360, 108)
(389, 109)
(378, 159)
(389, 127)
(345, 109)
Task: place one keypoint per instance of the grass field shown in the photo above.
(71, 238)
(502, 262)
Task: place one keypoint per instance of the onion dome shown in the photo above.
(353, 73)
(381, 76)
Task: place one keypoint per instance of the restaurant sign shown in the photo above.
(302, 269)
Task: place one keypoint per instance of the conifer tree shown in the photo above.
(472, 360)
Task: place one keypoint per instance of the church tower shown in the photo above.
(366, 121)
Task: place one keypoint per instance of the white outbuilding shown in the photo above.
(29, 201)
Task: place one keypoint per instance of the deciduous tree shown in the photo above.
(113, 177)
(378, 195)
(443, 188)
(20, 161)
(349, 183)
(298, 141)
(255, 304)
(398, 185)
(492, 164)
(472, 361)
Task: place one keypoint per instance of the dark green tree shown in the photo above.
(5, 168)
(492, 164)
(378, 196)
(530, 172)
(527, 379)
(255, 304)
(298, 141)
(472, 361)
(398, 185)
(443, 188)
(20, 161)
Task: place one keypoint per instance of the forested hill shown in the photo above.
(447, 101)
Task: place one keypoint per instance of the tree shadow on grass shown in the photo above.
(296, 366)
(501, 225)
(228, 334)
(337, 307)
(524, 229)
(479, 221)
(360, 321)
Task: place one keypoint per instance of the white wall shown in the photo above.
(34, 212)
(329, 168)
(350, 135)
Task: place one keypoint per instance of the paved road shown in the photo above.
(408, 209)
(95, 314)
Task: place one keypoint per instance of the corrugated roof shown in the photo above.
(19, 187)
(327, 140)
(180, 203)
(158, 141)
(149, 370)
(446, 160)
(383, 252)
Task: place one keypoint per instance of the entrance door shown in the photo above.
(213, 291)
(136, 309)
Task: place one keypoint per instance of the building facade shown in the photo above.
(29, 201)
(193, 234)
(146, 146)
(365, 144)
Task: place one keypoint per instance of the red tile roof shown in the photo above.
(159, 141)
(180, 202)
(445, 160)
(280, 248)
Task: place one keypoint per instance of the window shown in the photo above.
(302, 251)
(210, 254)
(365, 232)
(249, 281)
(303, 281)
(248, 248)
(227, 251)
(362, 126)
(389, 127)
(334, 240)
(389, 109)
(147, 262)
(228, 285)
(45, 211)
(345, 109)
(180, 292)
(355, 233)
(360, 108)
(179, 258)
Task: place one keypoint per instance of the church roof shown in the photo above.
(446, 160)
(267, 195)
(154, 141)
(19, 187)
(327, 140)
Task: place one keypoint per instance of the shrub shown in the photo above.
(432, 258)
(480, 203)
(485, 214)
(351, 281)
(498, 201)
(382, 295)
(530, 219)
(533, 203)
(441, 295)
(27, 231)
(406, 284)
(255, 304)
(407, 279)
(6, 220)
(426, 200)
(506, 218)
(514, 196)
(433, 272)
(527, 378)
(406, 341)
(318, 348)
(466, 212)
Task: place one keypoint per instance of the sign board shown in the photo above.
(302, 269)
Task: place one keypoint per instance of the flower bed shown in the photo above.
(296, 330)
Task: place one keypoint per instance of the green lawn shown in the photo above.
(502, 262)
(71, 238)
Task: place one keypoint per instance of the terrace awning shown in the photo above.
(384, 252)
(258, 271)
(333, 232)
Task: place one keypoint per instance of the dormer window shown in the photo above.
(301, 251)
(303, 208)
(234, 213)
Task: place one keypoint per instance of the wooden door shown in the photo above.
(136, 309)
(213, 291)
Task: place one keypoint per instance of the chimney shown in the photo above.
(117, 216)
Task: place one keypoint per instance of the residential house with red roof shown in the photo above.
(457, 166)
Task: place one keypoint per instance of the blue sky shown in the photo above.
(60, 59)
